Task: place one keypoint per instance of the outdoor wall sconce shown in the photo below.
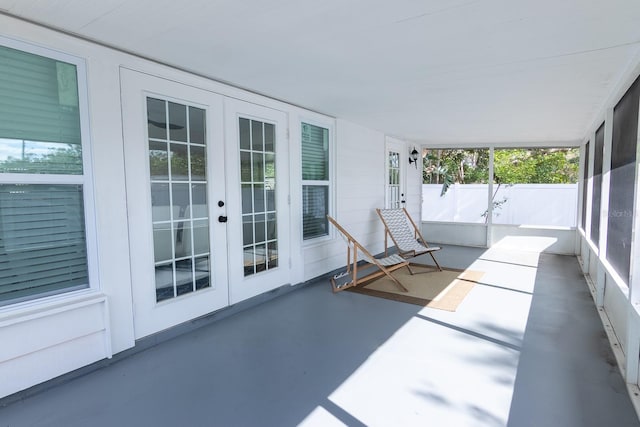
(413, 157)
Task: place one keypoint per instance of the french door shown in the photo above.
(258, 194)
(208, 200)
(175, 180)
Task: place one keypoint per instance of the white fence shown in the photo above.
(519, 204)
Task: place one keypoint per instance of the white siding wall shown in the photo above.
(67, 332)
(359, 190)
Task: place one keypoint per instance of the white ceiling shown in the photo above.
(461, 71)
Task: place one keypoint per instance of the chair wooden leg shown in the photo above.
(434, 260)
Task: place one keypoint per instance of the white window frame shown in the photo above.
(86, 179)
(330, 125)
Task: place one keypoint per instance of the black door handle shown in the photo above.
(222, 218)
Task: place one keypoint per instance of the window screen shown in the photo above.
(621, 187)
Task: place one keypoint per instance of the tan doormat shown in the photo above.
(443, 290)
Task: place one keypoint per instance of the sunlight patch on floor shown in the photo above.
(451, 368)
(320, 417)
(525, 243)
(425, 372)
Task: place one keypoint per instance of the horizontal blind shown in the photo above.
(315, 153)
(38, 98)
(42, 244)
(39, 115)
(314, 211)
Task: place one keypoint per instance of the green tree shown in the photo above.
(536, 166)
(447, 167)
(67, 160)
(511, 166)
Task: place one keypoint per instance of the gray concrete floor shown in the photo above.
(525, 348)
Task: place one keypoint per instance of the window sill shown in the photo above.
(34, 309)
(318, 241)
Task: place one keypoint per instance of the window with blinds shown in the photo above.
(315, 181)
(43, 247)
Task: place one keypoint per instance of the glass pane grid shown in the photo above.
(393, 180)
(179, 206)
(257, 166)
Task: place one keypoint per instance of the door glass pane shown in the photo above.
(200, 237)
(393, 180)
(179, 162)
(157, 118)
(164, 281)
(196, 126)
(202, 269)
(178, 198)
(160, 202)
(197, 162)
(158, 160)
(177, 122)
(245, 134)
(184, 276)
(269, 138)
(258, 181)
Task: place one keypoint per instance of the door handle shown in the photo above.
(222, 218)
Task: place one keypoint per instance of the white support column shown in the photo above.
(590, 166)
(490, 201)
(582, 194)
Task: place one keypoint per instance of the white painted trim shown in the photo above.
(490, 198)
(590, 167)
(36, 309)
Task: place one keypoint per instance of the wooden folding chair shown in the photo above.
(405, 235)
(373, 268)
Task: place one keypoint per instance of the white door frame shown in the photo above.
(151, 316)
(242, 287)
